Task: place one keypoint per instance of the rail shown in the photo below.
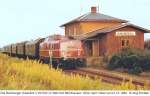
(107, 78)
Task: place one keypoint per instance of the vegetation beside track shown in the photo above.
(32, 75)
(135, 61)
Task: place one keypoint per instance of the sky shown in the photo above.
(22, 20)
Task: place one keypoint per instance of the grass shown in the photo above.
(19, 74)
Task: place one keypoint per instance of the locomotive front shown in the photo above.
(71, 49)
(62, 52)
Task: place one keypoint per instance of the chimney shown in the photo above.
(93, 9)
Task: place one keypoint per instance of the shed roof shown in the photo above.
(95, 17)
(110, 29)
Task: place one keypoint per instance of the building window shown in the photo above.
(125, 43)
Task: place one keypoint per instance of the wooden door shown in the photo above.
(95, 48)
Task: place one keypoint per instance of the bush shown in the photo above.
(128, 61)
(135, 60)
(135, 70)
(114, 62)
(145, 63)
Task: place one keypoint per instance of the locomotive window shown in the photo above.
(52, 46)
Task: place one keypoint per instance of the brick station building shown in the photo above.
(104, 35)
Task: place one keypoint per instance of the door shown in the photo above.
(95, 48)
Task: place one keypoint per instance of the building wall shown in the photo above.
(98, 46)
(92, 26)
(103, 45)
(79, 28)
(114, 43)
(73, 29)
(109, 43)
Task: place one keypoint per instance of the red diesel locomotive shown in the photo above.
(61, 50)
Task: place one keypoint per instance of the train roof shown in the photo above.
(58, 38)
(23, 42)
(34, 41)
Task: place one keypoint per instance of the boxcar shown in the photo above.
(14, 49)
(9, 49)
(21, 49)
(4, 50)
(32, 48)
(1, 50)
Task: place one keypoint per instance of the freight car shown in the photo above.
(14, 49)
(4, 49)
(32, 48)
(21, 49)
(61, 51)
(7, 49)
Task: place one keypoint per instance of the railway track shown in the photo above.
(105, 77)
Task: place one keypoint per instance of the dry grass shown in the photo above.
(21, 74)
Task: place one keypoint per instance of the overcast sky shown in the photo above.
(22, 20)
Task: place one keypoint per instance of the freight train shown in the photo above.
(58, 50)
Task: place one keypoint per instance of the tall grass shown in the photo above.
(19, 74)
